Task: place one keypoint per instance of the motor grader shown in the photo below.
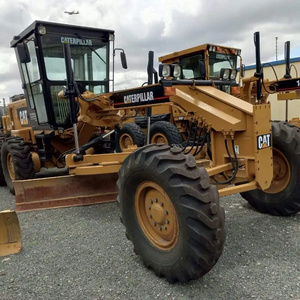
(35, 134)
(168, 196)
(170, 123)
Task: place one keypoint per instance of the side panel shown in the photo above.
(153, 94)
(18, 114)
(263, 145)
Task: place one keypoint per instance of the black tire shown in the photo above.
(286, 142)
(163, 131)
(142, 121)
(197, 223)
(130, 133)
(23, 167)
(2, 178)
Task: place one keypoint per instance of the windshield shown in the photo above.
(90, 64)
(89, 58)
(190, 66)
(218, 61)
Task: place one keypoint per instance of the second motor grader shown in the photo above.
(170, 123)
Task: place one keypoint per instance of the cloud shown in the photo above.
(163, 26)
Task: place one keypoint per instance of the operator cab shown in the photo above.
(40, 56)
(207, 62)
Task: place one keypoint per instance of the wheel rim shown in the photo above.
(156, 215)
(10, 166)
(125, 141)
(159, 138)
(281, 173)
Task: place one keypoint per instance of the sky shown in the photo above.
(163, 26)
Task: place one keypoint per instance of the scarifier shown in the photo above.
(168, 196)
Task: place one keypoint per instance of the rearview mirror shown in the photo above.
(242, 71)
(123, 60)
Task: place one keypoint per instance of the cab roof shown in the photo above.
(189, 51)
(58, 28)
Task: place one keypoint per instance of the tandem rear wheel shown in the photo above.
(130, 134)
(163, 132)
(283, 196)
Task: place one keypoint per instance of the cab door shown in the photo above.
(32, 83)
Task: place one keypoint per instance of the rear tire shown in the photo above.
(166, 133)
(283, 197)
(171, 212)
(17, 161)
(130, 134)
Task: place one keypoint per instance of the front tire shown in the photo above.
(283, 197)
(171, 212)
(17, 161)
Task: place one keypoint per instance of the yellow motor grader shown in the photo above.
(168, 196)
(170, 123)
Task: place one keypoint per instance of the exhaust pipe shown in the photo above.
(10, 233)
(287, 75)
(287, 51)
(258, 72)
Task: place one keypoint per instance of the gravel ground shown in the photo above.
(82, 253)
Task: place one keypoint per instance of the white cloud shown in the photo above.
(161, 25)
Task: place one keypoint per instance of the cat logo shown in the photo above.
(139, 97)
(264, 141)
(76, 41)
(23, 117)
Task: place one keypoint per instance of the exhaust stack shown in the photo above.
(287, 51)
(258, 73)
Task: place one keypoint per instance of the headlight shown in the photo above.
(233, 74)
(164, 70)
(177, 71)
(226, 74)
(212, 48)
(42, 30)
